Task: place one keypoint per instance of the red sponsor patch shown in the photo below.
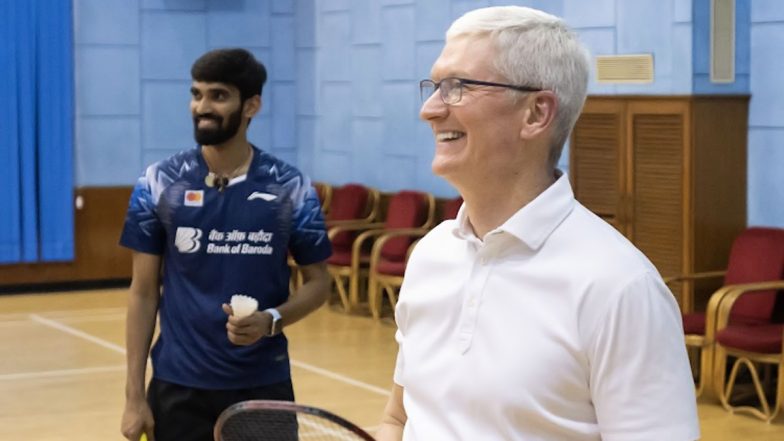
(194, 198)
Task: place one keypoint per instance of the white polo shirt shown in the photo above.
(554, 327)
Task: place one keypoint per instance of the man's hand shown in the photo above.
(137, 420)
(247, 330)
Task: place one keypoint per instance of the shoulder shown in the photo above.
(178, 164)
(439, 236)
(603, 267)
(160, 175)
(278, 169)
(595, 249)
(173, 168)
(286, 181)
(439, 246)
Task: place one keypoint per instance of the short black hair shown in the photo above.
(236, 67)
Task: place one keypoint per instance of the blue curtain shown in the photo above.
(36, 131)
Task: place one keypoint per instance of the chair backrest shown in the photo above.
(757, 255)
(351, 202)
(407, 209)
(348, 202)
(450, 208)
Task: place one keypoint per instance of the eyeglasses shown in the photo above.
(452, 88)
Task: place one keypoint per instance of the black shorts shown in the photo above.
(187, 414)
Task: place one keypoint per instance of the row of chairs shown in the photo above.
(372, 237)
(743, 321)
(372, 241)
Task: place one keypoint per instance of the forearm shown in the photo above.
(394, 419)
(139, 329)
(143, 298)
(390, 431)
(309, 297)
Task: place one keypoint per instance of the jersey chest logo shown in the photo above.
(264, 196)
(194, 198)
(187, 239)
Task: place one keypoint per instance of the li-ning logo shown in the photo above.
(187, 239)
(259, 195)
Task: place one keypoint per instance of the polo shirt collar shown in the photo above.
(534, 222)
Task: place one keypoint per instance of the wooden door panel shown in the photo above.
(657, 189)
(596, 163)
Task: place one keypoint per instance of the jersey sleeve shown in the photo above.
(640, 378)
(309, 242)
(143, 230)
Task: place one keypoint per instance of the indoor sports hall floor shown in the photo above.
(62, 369)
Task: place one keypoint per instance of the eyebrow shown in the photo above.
(452, 74)
(208, 89)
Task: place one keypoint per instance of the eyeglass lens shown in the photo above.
(451, 90)
(426, 89)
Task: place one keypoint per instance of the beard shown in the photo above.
(218, 134)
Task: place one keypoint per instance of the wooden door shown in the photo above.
(657, 183)
(597, 158)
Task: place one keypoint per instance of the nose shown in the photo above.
(433, 107)
(200, 106)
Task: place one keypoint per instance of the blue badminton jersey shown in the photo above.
(215, 244)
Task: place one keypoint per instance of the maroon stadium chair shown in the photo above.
(757, 255)
(388, 259)
(407, 212)
(350, 204)
(746, 325)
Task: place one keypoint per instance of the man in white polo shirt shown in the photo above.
(527, 317)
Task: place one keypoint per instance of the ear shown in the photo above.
(252, 106)
(539, 115)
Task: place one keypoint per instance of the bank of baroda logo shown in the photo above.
(187, 239)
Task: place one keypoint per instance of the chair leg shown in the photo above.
(342, 293)
(765, 414)
(779, 391)
(353, 288)
(706, 386)
(374, 296)
(719, 373)
(727, 392)
(391, 291)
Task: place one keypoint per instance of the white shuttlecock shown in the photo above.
(243, 306)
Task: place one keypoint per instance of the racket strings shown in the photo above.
(282, 425)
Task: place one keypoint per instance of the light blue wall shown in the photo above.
(371, 53)
(342, 102)
(133, 61)
(766, 118)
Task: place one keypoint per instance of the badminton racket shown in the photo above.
(270, 420)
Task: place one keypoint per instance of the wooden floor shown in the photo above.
(62, 369)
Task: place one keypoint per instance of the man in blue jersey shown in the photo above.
(207, 223)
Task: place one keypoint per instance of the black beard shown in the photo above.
(218, 135)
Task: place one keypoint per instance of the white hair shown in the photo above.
(535, 49)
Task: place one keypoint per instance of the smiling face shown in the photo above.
(478, 137)
(217, 112)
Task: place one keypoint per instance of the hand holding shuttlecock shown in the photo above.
(243, 305)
